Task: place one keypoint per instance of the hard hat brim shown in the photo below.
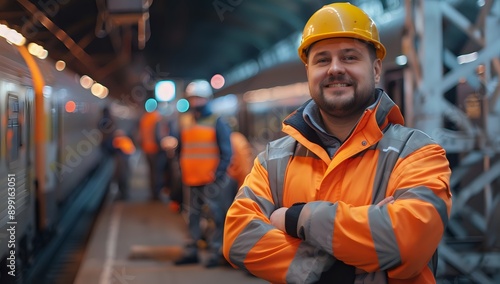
(303, 48)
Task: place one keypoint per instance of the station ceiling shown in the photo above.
(125, 43)
(128, 43)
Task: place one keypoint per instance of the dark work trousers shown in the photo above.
(210, 202)
(154, 174)
(122, 174)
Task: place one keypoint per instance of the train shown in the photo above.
(49, 153)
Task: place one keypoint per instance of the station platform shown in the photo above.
(136, 241)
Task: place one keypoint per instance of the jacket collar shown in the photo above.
(375, 118)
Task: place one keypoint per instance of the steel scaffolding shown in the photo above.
(451, 92)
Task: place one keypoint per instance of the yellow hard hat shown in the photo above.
(340, 20)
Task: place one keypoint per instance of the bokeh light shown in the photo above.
(182, 105)
(217, 81)
(150, 105)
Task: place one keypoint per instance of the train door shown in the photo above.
(19, 169)
(17, 156)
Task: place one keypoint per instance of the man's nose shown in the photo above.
(336, 67)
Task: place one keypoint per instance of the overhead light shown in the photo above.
(401, 60)
(165, 91)
(86, 81)
(11, 35)
(60, 65)
(37, 50)
(97, 90)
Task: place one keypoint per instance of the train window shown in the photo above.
(13, 129)
(28, 134)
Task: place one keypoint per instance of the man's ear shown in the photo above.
(377, 70)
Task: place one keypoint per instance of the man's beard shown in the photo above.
(355, 104)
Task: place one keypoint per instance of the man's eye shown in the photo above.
(349, 57)
(322, 60)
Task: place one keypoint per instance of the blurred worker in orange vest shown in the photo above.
(205, 154)
(124, 147)
(243, 156)
(241, 162)
(149, 145)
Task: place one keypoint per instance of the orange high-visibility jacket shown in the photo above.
(147, 131)
(200, 153)
(340, 220)
(125, 144)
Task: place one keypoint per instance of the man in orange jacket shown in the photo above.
(124, 148)
(148, 142)
(350, 195)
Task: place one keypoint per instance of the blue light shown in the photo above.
(150, 105)
(182, 105)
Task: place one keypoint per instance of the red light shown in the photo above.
(217, 81)
(70, 106)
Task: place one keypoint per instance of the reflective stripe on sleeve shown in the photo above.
(427, 195)
(384, 239)
(265, 205)
(275, 161)
(246, 240)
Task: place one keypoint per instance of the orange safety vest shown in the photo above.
(125, 144)
(147, 129)
(242, 159)
(200, 154)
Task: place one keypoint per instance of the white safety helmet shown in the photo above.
(199, 88)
